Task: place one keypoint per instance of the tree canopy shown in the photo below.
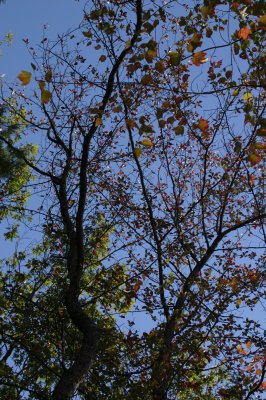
(133, 150)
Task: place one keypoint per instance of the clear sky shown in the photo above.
(25, 19)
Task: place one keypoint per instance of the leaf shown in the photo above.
(46, 96)
(261, 132)
(247, 96)
(147, 142)
(249, 344)
(33, 66)
(41, 85)
(205, 11)
(262, 21)
(203, 125)
(194, 42)
(179, 130)
(102, 58)
(253, 158)
(159, 66)
(87, 34)
(199, 58)
(98, 121)
(174, 58)
(244, 33)
(24, 77)
(49, 75)
(146, 80)
(137, 152)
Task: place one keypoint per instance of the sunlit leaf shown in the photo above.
(247, 96)
(24, 77)
(199, 58)
(244, 33)
(147, 142)
(194, 42)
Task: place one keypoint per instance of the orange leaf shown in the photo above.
(199, 58)
(203, 125)
(24, 77)
(41, 85)
(244, 33)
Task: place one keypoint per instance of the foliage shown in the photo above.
(151, 134)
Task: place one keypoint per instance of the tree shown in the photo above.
(149, 122)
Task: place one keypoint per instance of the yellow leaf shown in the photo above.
(249, 344)
(147, 142)
(205, 10)
(247, 96)
(238, 302)
(41, 85)
(258, 371)
(199, 58)
(98, 121)
(262, 21)
(24, 77)
(137, 152)
(49, 75)
(46, 96)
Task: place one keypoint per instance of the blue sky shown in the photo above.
(25, 19)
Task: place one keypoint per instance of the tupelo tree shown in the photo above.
(148, 203)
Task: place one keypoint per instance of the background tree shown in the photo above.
(150, 167)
